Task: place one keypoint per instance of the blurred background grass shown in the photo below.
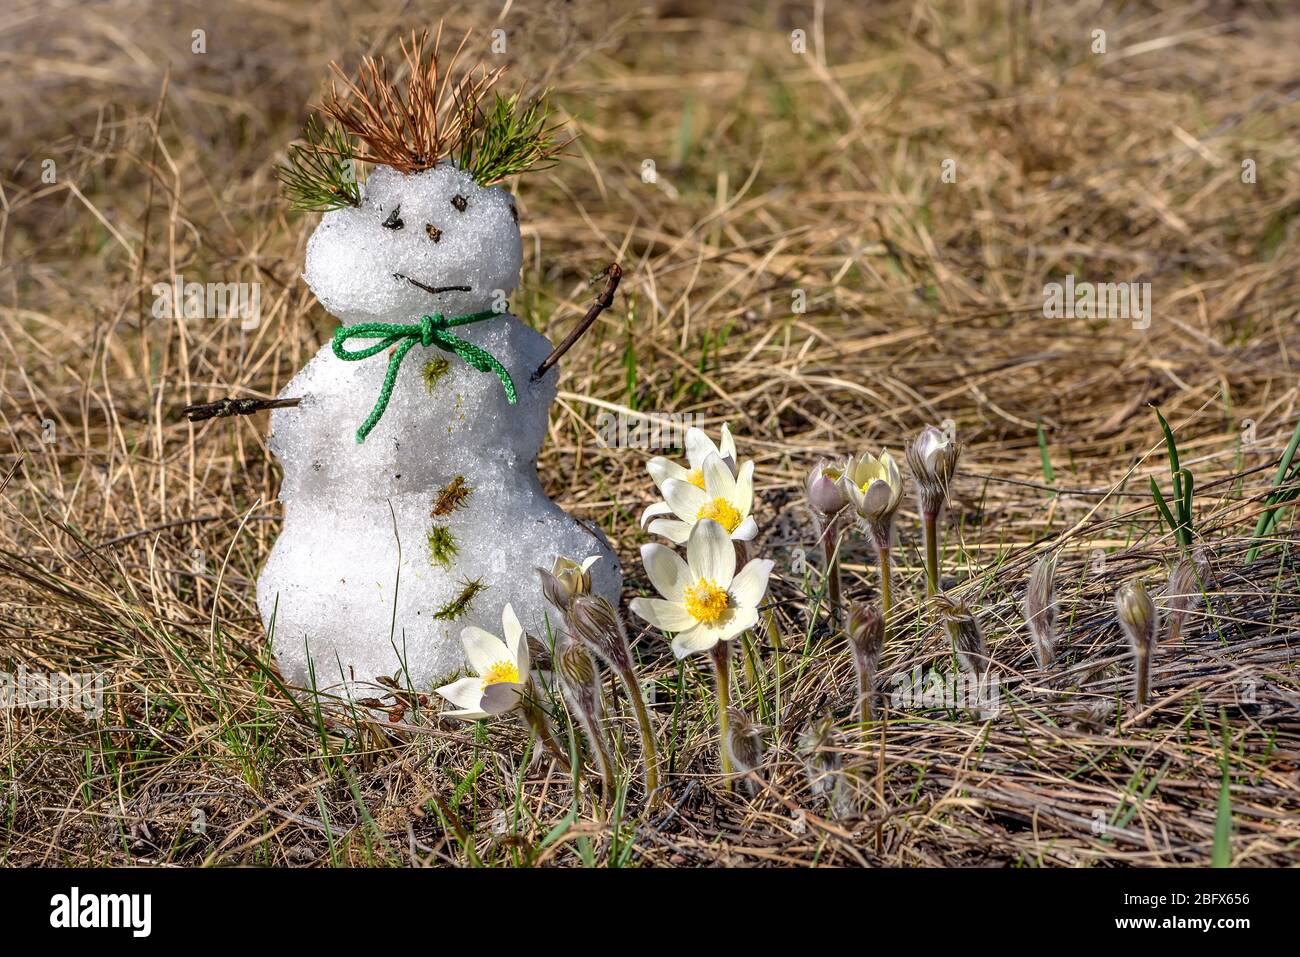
(797, 267)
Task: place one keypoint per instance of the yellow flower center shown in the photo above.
(705, 601)
(696, 478)
(500, 673)
(722, 512)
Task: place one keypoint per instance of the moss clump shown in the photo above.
(434, 370)
(442, 546)
(457, 607)
(452, 496)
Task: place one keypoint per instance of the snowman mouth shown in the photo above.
(433, 290)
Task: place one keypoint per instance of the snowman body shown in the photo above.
(393, 545)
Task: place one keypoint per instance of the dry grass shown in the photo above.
(132, 538)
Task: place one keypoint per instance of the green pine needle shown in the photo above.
(320, 175)
(509, 139)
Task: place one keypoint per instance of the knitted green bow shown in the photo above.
(429, 331)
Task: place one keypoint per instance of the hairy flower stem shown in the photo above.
(886, 586)
(866, 694)
(600, 751)
(1141, 678)
(931, 523)
(721, 657)
(535, 718)
(646, 730)
(831, 549)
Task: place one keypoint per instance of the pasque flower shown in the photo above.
(829, 502)
(1040, 609)
(501, 682)
(932, 458)
(566, 580)
(704, 600)
(724, 498)
(874, 487)
(500, 671)
(1140, 622)
(866, 641)
(705, 604)
(822, 488)
(698, 448)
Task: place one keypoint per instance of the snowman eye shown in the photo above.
(394, 221)
(433, 232)
(460, 202)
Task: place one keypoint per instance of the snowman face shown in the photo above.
(429, 242)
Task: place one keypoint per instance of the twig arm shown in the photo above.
(231, 406)
(611, 274)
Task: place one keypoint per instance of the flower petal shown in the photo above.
(501, 697)
(467, 714)
(696, 640)
(589, 561)
(654, 511)
(718, 480)
(698, 447)
(668, 573)
(664, 615)
(483, 649)
(671, 529)
(746, 530)
(662, 469)
(744, 499)
(685, 499)
(710, 554)
(750, 584)
(463, 693)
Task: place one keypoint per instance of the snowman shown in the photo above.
(412, 504)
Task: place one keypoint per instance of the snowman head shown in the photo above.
(419, 243)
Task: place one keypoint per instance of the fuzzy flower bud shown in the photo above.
(822, 487)
(566, 580)
(744, 743)
(1040, 609)
(932, 459)
(867, 640)
(874, 486)
(1181, 594)
(597, 624)
(1139, 621)
(967, 637)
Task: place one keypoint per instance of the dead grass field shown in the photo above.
(130, 538)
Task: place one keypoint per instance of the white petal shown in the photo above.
(662, 469)
(501, 697)
(664, 615)
(744, 500)
(750, 584)
(746, 530)
(512, 630)
(671, 529)
(710, 554)
(467, 714)
(734, 624)
(696, 640)
(589, 561)
(718, 480)
(482, 649)
(463, 693)
(668, 573)
(698, 447)
(654, 511)
(685, 499)
(727, 445)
